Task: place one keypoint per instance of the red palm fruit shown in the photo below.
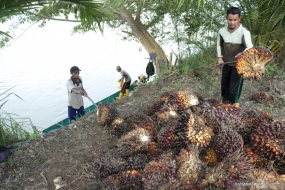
(209, 156)
(158, 172)
(131, 179)
(153, 150)
(105, 114)
(257, 161)
(189, 165)
(234, 167)
(251, 64)
(268, 140)
(183, 99)
(227, 142)
(137, 140)
(197, 132)
(262, 97)
(166, 115)
(166, 137)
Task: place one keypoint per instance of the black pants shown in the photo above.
(126, 85)
(231, 84)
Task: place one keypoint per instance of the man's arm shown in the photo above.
(219, 50)
(247, 41)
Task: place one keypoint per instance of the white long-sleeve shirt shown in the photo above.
(230, 44)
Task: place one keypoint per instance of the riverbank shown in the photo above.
(71, 152)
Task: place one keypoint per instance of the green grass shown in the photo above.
(13, 127)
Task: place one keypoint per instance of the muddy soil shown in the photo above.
(70, 152)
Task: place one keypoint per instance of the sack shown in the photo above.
(150, 69)
(119, 84)
(4, 153)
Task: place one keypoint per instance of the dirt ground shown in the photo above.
(70, 152)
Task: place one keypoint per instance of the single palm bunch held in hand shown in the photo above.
(251, 63)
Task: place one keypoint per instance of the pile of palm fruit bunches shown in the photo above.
(186, 142)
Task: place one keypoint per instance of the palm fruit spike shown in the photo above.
(209, 156)
(158, 172)
(226, 142)
(262, 179)
(234, 167)
(137, 140)
(251, 63)
(197, 132)
(112, 182)
(131, 179)
(183, 99)
(106, 114)
(268, 140)
(262, 97)
(189, 165)
(279, 167)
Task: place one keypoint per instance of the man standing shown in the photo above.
(75, 91)
(127, 82)
(233, 39)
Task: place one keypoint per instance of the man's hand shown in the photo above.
(82, 93)
(220, 61)
(237, 55)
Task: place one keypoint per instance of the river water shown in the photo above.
(37, 66)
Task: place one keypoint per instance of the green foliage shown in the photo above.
(12, 127)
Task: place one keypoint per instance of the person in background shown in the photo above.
(150, 69)
(126, 80)
(75, 91)
(232, 40)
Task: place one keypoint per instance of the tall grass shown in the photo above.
(12, 127)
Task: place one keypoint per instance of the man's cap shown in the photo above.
(74, 68)
(118, 67)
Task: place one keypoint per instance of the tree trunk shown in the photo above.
(147, 41)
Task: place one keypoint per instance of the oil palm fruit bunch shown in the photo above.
(212, 117)
(234, 167)
(131, 179)
(137, 140)
(249, 122)
(106, 113)
(117, 127)
(209, 155)
(189, 166)
(262, 97)
(229, 115)
(183, 99)
(108, 164)
(166, 115)
(135, 162)
(227, 141)
(279, 166)
(160, 102)
(159, 172)
(268, 140)
(251, 63)
(197, 132)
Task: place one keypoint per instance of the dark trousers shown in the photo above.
(231, 84)
(72, 113)
(126, 85)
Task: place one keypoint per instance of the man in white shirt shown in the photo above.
(127, 83)
(75, 91)
(232, 40)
